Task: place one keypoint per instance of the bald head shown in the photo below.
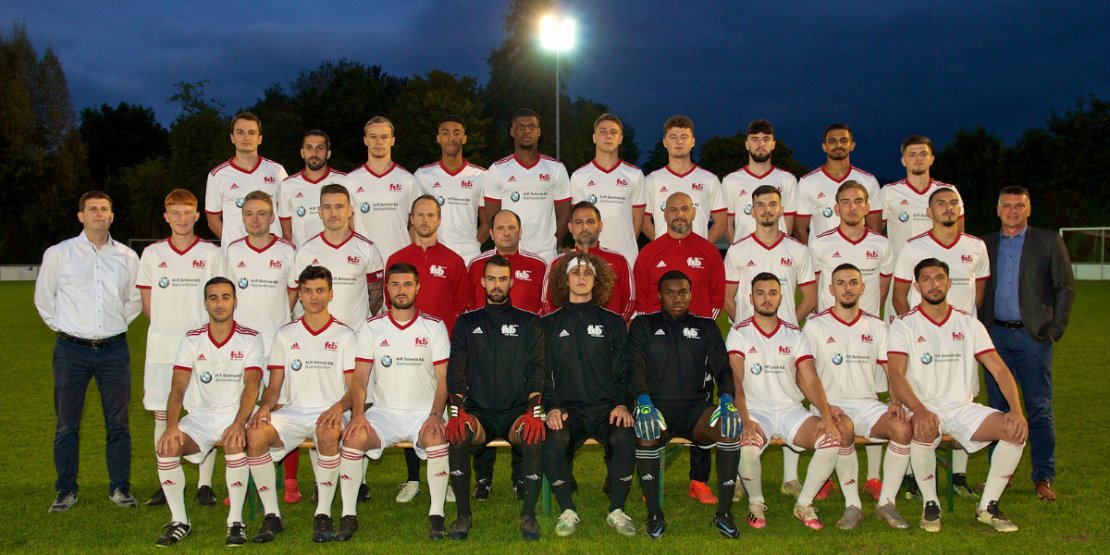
(679, 214)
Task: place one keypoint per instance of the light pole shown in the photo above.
(557, 35)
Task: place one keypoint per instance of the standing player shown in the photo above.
(219, 366)
(586, 226)
(904, 203)
(528, 268)
(172, 274)
(738, 185)
(614, 186)
(817, 189)
(299, 193)
(456, 185)
(682, 175)
(407, 350)
(381, 191)
(532, 185)
(229, 182)
(934, 353)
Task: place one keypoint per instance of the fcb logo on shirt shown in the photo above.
(236, 355)
(508, 330)
(595, 331)
(784, 350)
(872, 255)
(269, 179)
(198, 264)
(394, 187)
(330, 345)
(697, 186)
(622, 182)
(437, 270)
(545, 177)
(466, 184)
(525, 275)
(866, 338)
(275, 264)
(957, 336)
(786, 262)
(694, 262)
(690, 333)
(353, 260)
(967, 259)
(421, 342)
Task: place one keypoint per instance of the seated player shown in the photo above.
(934, 354)
(671, 352)
(495, 380)
(772, 365)
(407, 352)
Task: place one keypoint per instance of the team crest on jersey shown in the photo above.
(296, 365)
(364, 207)
(756, 369)
(866, 338)
(827, 212)
(466, 184)
(508, 330)
(394, 187)
(163, 265)
(353, 260)
(525, 275)
(786, 262)
(244, 283)
(301, 211)
(697, 186)
(592, 199)
(387, 361)
(957, 336)
(967, 259)
(837, 359)
(163, 282)
(784, 350)
(595, 331)
(236, 355)
(198, 264)
(926, 358)
(440, 200)
(331, 345)
(421, 342)
(437, 270)
(269, 179)
(515, 196)
(239, 202)
(748, 210)
(275, 264)
(690, 333)
(872, 255)
(622, 182)
(206, 378)
(694, 261)
(545, 177)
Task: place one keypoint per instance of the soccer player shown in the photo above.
(779, 359)
(495, 380)
(817, 189)
(299, 193)
(244, 172)
(683, 250)
(532, 185)
(738, 185)
(586, 391)
(219, 365)
(849, 349)
(673, 354)
(682, 175)
(616, 187)
(407, 350)
(904, 202)
(529, 269)
(172, 274)
(934, 352)
(312, 359)
(586, 226)
(456, 185)
(381, 191)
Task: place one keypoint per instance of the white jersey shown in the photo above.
(299, 202)
(532, 193)
(941, 356)
(262, 276)
(459, 196)
(403, 358)
(354, 264)
(967, 264)
(787, 259)
(615, 192)
(817, 196)
(770, 363)
(217, 369)
(848, 355)
(176, 282)
(228, 184)
(904, 211)
(871, 254)
(703, 187)
(738, 188)
(382, 204)
(313, 362)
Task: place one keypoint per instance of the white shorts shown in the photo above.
(157, 379)
(395, 426)
(294, 425)
(962, 422)
(206, 429)
(864, 413)
(781, 423)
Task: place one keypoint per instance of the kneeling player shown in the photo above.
(671, 352)
(772, 366)
(407, 352)
(934, 353)
(220, 366)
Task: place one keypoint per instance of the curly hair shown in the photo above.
(560, 285)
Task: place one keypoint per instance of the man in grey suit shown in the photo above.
(1026, 308)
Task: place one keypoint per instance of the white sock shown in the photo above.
(159, 427)
(1004, 460)
(265, 478)
(206, 468)
(173, 485)
(365, 465)
(874, 461)
(236, 473)
(327, 473)
(751, 472)
(820, 468)
(894, 467)
(350, 469)
(847, 473)
(923, 458)
(959, 461)
(789, 464)
(437, 469)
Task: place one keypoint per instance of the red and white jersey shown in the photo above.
(404, 358)
(694, 256)
(354, 264)
(529, 272)
(848, 355)
(941, 356)
(299, 202)
(217, 369)
(615, 192)
(738, 187)
(176, 282)
(228, 184)
(967, 263)
(623, 299)
(817, 196)
(262, 276)
(904, 210)
(314, 362)
(444, 285)
(770, 363)
(382, 204)
(532, 193)
(871, 254)
(787, 259)
(703, 187)
(459, 196)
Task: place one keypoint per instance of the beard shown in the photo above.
(496, 296)
(849, 305)
(929, 298)
(766, 313)
(757, 158)
(679, 227)
(403, 305)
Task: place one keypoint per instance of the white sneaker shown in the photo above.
(408, 491)
(567, 525)
(622, 523)
(450, 494)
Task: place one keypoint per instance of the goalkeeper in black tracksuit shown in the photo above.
(495, 379)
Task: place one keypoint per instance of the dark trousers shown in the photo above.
(74, 367)
(1030, 362)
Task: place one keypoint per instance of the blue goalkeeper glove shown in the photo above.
(728, 416)
(649, 421)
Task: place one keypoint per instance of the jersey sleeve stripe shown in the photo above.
(802, 359)
(888, 353)
(900, 280)
(349, 371)
(737, 353)
(276, 367)
(185, 368)
(440, 361)
(367, 360)
(253, 369)
(984, 351)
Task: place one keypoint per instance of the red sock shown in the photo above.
(290, 464)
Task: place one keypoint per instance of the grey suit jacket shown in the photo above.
(1046, 286)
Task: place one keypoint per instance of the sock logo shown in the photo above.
(928, 478)
(850, 482)
(168, 483)
(236, 485)
(626, 478)
(533, 477)
(647, 477)
(456, 473)
(344, 477)
(326, 483)
(438, 474)
(729, 483)
(263, 489)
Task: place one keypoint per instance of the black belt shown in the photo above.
(94, 343)
(1011, 325)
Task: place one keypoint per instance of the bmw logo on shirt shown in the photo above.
(364, 207)
(296, 364)
(903, 217)
(926, 358)
(239, 202)
(838, 359)
(301, 211)
(757, 369)
(206, 378)
(387, 361)
(748, 210)
(243, 283)
(440, 200)
(592, 199)
(515, 196)
(164, 282)
(827, 212)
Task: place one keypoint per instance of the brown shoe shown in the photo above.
(1044, 491)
